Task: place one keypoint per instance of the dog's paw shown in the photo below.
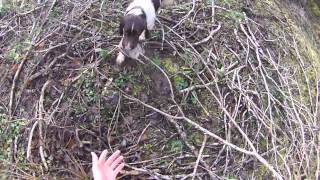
(120, 59)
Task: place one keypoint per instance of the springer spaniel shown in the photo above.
(139, 18)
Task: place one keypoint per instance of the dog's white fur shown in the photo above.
(148, 9)
(134, 9)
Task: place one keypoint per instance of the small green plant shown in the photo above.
(16, 52)
(235, 15)
(103, 54)
(80, 109)
(148, 147)
(196, 138)
(55, 13)
(13, 54)
(9, 131)
(194, 100)
(3, 143)
(88, 87)
(176, 146)
(137, 89)
(156, 59)
(123, 80)
(180, 82)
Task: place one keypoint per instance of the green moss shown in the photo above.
(169, 66)
(235, 15)
(295, 30)
(310, 57)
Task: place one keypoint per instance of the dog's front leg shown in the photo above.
(142, 37)
(145, 34)
(121, 57)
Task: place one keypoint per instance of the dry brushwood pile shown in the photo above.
(226, 90)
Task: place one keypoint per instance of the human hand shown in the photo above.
(106, 169)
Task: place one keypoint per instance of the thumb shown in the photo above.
(95, 167)
(94, 159)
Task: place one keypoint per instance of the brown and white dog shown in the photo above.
(138, 20)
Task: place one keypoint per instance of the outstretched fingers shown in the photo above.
(112, 158)
(118, 169)
(116, 163)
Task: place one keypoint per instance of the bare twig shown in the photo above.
(14, 82)
(30, 140)
(195, 87)
(205, 40)
(199, 156)
(40, 122)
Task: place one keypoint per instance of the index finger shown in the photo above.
(103, 156)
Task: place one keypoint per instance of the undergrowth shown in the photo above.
(227, 90)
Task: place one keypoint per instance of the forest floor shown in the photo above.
(227, 90)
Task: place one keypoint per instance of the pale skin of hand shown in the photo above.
(106, 169)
